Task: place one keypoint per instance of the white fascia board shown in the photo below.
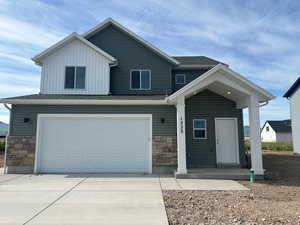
(186, 89)
(108, 21)
(81, 102)
(66, 40)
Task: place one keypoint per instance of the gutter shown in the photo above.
(5, 152)
(84, 102)
(264, 104)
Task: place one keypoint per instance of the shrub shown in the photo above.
(272, 146)
(2, 146)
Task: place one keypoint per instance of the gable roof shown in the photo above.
(110, 21)
(220, 67)
(37, 59)
(193, 61)
(280, 126)
(292, 89)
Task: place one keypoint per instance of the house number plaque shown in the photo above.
(181, 125)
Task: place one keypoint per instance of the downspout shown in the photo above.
(5, 152)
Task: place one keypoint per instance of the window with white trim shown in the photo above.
(140, 79)
(199, 129)
(180, 79)
(75, 77)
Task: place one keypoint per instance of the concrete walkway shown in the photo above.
(94, 199)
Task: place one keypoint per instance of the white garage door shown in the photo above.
(94, 144)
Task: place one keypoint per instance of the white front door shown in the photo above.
(94, 144)
(227, 141)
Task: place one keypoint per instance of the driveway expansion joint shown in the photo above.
(56, 200)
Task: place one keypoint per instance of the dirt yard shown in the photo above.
(275, 200)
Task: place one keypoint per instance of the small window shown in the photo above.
(199, 129)
(267, 128)
(180, 79)
(140, 79)
(75, 77)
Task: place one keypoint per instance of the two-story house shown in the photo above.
(111, 102)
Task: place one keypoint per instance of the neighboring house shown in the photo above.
(111, 102)
(293, 95)
(246, 133)
(3, 129)
(277, 131)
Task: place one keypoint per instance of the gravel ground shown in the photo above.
(275, 200)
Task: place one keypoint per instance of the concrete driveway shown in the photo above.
(90, 199)
(76, 199)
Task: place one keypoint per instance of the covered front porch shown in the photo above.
(225, 141)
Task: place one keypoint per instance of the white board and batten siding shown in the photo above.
(295, 116)
(75, 53)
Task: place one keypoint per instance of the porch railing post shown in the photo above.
(255, 138)
(181, 146)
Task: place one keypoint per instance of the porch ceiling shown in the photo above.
(227, 91)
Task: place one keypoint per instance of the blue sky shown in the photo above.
(259, 39)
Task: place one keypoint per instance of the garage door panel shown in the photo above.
(116, 145)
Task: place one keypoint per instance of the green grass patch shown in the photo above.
(273, 146)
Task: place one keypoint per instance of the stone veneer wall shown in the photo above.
(20, 154)
(164, 154)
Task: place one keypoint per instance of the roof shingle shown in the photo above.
(196, 60)
(280, 126)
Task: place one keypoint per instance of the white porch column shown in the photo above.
(181, 147)
(255, 137)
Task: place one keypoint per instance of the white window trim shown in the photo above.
(74, 88)
(140, 89)
(205, 129)
(180, 74)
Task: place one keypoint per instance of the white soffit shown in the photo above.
(37, 59)
(109, 21)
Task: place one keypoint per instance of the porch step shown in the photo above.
(217, 173)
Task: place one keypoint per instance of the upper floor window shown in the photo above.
(140, 79)
(267, 128)
(180, 79)
(75, 77)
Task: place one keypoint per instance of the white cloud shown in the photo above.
(4, 114)
(12, 30)
(32, 79)
(4, 117)
(17, 58)
(9, 90)
(277, 109)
